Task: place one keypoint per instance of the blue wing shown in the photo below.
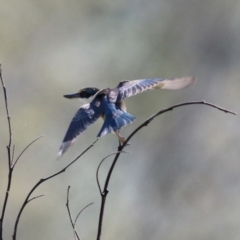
(131, 88)
(84, 117)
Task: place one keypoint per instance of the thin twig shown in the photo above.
(10, 169)
(24, 150)
(99, 165)
(73, 223)
(33, 198)
(70, 216)
(13, 152)
(42, 181)
(81, 212)
(8, 118)
(121, 147)
(145, 123)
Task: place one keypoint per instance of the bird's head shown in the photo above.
(83, 93)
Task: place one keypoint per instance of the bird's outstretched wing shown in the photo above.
(131, 88)
(84, 117)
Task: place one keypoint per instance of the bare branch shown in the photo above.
(121, 147)
(10, 169)
(10, 152)
(8, 118)
(73, 223)
(24, 150)
(211, 105)
(70, 216)
(99, 165)
(42, 181)
(150, 119)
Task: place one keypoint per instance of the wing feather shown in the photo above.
(131, 88)
(84, 117)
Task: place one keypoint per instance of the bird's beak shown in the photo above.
(72, 95)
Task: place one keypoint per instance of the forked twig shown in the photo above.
(8, 118)
(26, 201)
(76, 236)
(12, 164)
(99, 165)
(73, 223)
(10, 169)
(121, 147)
(24, 150)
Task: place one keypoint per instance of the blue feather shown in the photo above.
(114, 119)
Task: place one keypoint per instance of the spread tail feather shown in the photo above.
(116, 122)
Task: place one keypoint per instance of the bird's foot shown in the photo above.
(121, 139)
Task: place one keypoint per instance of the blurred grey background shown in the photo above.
(181, 180)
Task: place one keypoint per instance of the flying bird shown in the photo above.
(108, 103)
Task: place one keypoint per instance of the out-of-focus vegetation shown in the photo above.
(182, 179)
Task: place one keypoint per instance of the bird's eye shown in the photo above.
(83, 94)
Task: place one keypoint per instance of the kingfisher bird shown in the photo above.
(108, 103)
